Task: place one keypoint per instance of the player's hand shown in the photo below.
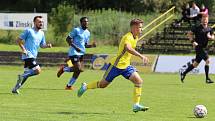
(209, 36)
(25, 52)
(195, 44)
(78, 49)
(94, 44)
(145, 59)
(49, 45)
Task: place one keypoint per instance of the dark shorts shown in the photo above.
(76, 58)
(30, 63)
(113, 72)
(201, 55)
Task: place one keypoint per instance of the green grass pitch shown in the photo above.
(43, 98)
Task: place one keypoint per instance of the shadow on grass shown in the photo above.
(92, 113)
(82, 113)
(5, 93)
(176, 84)
(191, 117)
(41, 89)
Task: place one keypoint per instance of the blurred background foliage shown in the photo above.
(109, 20)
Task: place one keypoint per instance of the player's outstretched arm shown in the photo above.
(21, 45)
(129, 48)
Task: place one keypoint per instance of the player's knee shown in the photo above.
(195, 64)
(81, 70)
(102, 85)
(78, 69)
(38, 71)
(139, 81)
(207, 62)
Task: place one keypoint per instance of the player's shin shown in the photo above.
(30, 72)
(206, 71)
(190, 67)
(72, 81)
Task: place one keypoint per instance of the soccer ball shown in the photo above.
(200, 111)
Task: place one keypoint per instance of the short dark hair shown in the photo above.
(82, 18)
(136, 21)
(205, 16)
(193, 2)
(37, 17)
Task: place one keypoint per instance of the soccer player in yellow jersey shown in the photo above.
(120, 65)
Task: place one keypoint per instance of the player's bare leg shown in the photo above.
(77, 69)
(22, 78)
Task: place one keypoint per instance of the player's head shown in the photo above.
(84, 22)
(194, 5)
(38, 22)
(204, 20)
(202, 6)
(136, 26)
(187, 6)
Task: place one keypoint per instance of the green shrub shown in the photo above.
(61, 21)
(106, 26)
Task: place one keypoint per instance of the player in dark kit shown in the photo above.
(203, 34)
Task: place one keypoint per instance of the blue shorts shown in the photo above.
(113, 72)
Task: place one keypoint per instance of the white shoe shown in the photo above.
(138, 107)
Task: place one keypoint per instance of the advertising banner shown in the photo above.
(100, 62)
(20, 21)
(172, 64)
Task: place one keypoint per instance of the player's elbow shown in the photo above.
(68, 38)
(19, 41)
(128, 48)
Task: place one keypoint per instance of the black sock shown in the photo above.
(206, 71)
(190, 67)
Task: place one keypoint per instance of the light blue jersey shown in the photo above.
(32, 41)
(80, 37)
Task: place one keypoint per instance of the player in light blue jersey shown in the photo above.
(78, 40)
(29, 41)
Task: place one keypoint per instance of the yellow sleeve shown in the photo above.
(127, 40)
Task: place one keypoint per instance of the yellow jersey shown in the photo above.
(122, 60)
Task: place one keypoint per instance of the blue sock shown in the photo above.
(28, 73)
(72, 81)
(67, 69)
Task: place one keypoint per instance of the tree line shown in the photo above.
(135, 6)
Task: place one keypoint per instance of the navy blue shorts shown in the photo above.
(30, 63)
(113, 72)
(76, 58)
